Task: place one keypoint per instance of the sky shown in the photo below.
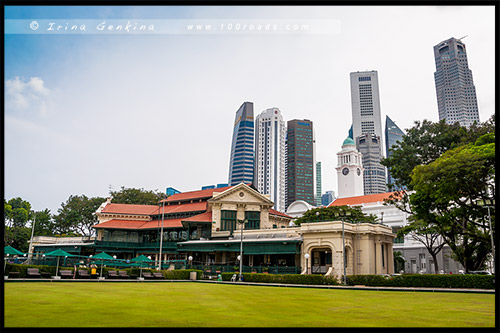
(89, 111)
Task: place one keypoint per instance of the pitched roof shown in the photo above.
(362, 199)
(120, 224)
(200, 194)
(184, 207)
(275, 212)
(129, 209)
(203, 217)
(167, 223)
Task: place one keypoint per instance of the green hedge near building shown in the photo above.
(283, 278)
(425, 280)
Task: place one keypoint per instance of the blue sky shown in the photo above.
(88, 112)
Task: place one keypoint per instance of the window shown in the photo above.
(228, 220)
(253, 219)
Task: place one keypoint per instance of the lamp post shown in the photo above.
(190, 258)
(30, 250)
(489, 204)
(307, 262)
(242, 224)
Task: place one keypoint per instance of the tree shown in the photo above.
(77, 215)
(423, 144)
(16, 215)
(446, 195)
(332, 213)
(44, 223)
(136, 196)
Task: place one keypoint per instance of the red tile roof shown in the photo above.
(201, 194)
(203, 217)
(120, 224)
(185, 207)
(129, 209)
(352, 201)
(167, 223)
(275, 212)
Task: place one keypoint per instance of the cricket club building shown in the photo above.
(211, 225)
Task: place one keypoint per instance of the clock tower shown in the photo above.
(349, 170)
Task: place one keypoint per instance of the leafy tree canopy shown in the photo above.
(333, 213)
(136, 196)
(77, 215)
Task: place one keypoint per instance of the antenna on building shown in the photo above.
(460, 39)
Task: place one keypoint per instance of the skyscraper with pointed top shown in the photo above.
(392, 134)
(241, 162)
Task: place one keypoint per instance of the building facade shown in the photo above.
(455, 90)
(300, 162)
(318, 184)
(393, 134)
(241, 161)
(416, 257)
(374, 179)
(270, 138)
(327, 198)
(349, 170)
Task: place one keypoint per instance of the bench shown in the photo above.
(158, 275)
(112, 274)
(83, 273)
(13, 275)
(33, 272)
(66, 273)
(147, 275)
(123, 274)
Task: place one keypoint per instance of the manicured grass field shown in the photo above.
(182, 304)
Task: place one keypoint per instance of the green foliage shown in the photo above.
(283, 278)
(77, 215)
(44, 223)
(16, 215)
(334, 213)
(136, 196)
(467, 281)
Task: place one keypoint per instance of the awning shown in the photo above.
(283, 246)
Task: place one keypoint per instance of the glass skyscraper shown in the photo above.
(455, 91)
(241, 163)
(300, 162)
(392, 134)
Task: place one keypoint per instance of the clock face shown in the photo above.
(358, 171)
(345, 171)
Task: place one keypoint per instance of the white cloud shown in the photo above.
(27, 95)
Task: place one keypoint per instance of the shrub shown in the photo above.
(283, 278)
(425, 280)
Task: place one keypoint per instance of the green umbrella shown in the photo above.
(9, 250)
(103, 256)
(12, 251)
(58, 253)
(142, 259)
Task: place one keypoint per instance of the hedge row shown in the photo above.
(425, 280)
(283, 278)
(182, 274)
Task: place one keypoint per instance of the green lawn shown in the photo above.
(86, 304)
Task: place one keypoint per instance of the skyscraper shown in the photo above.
(241, 162)
(367, 129)
(318, 184)
(300, 162)
(270, 136)
(365, 103)
(374, 180)
(455, 91)
(392, 134)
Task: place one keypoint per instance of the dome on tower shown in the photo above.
(348, 141)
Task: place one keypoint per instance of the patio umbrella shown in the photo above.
(142, 259)
(9, 250)
(103, 256)
(58, 253)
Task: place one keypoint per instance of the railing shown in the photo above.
(132, 245)
(211, 270)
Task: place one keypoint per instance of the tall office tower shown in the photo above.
(270, 136)
(455, 91)
(349, 170)
(241, 162)
(318, 184)
(300, 162)
(392, 134)
(367, 129)
(374, 180)
(327, 198)
(365, 103)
